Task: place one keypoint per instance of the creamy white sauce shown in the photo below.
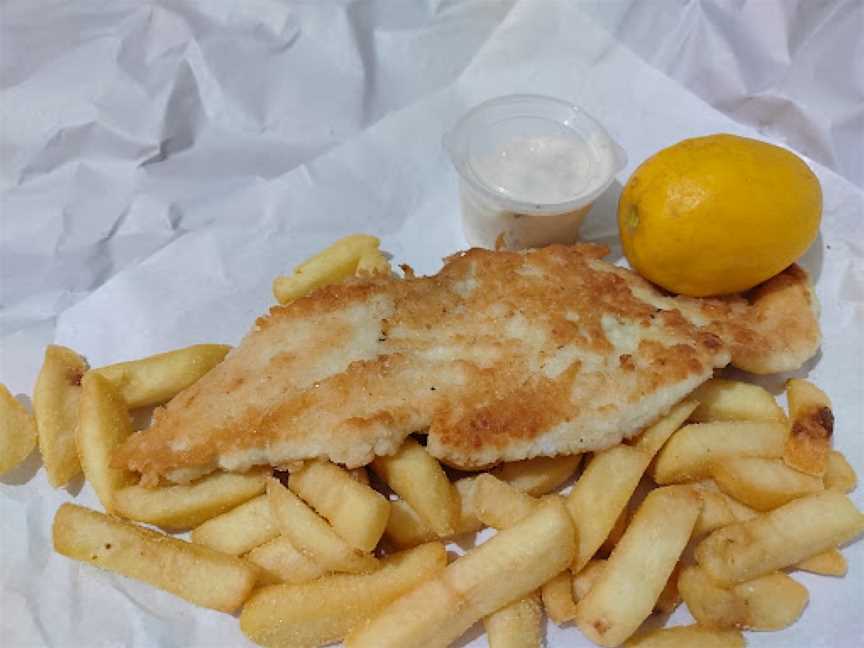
(540, 170)
(539, 173)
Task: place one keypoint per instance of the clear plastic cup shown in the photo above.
(530, 167)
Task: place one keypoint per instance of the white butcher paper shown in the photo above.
(120, 245)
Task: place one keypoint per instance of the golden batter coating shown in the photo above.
(500, 356)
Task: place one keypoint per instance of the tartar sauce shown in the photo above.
(530, 168)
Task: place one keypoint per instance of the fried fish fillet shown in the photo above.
(500, 356)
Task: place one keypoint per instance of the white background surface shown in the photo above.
(161, 162)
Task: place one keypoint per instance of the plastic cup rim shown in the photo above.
(449, 141)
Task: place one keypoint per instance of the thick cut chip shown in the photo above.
(693, 636)
(557, 596)
(325, 610)
(198, 574)
(656, 436)
(501, 356)
(540, 475)
(762, 484)
(418, 478)
(585, 579)
(599, 498)
(827, 563)
(405, 529)
(186, 506)
(311, 534)
(689, 454)
(636, 573)
(468, 521)
(517, 625)
(103, 424)
(839, 475)
(781, 538)
(281, 562)
(158, 378)
(712, 605)
(509, 566)
(239, 530)
(600, 495)
(55, 405)
(715, 513)
(355, 511)
(17, 431)
(498, 504)
(774, 601)
(769, 602)
(332, 265)
(733, 400)
(811, 425)
(741, 512)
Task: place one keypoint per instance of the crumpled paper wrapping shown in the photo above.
(792, 70)
(159, 213)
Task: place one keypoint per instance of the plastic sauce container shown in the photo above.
(530, 167)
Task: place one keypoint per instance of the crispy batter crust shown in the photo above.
(500, 356)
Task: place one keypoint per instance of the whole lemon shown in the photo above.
(718, 214)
